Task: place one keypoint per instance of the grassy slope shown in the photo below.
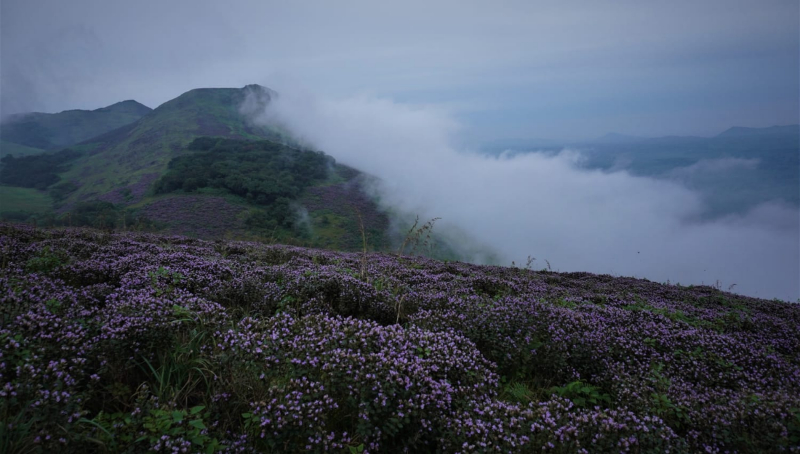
(54, 131)
(18, 150)
(139, 151)
(24, 199)
(332, 208)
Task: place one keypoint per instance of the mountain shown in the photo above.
(733, 172)
(613, 137)
(197, 165)
(47, 131)
(133, 156)
(499, 146)
(738, 131)
(10, 148)
(760, 165)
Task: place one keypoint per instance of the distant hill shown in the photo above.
(613, 137)
(764, 160)
(47, 131)
(7, 148)
(499, 146)
(761, 163)
(738, 131)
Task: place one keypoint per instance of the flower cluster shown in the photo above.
(147, 342)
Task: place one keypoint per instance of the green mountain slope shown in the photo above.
(10, 148)
(134, 156)
(196, 166)
(261, 190)
(53, 131)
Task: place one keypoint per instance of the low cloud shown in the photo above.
(547, 206)
(721, 165)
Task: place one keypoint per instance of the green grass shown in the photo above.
(330, 229)
(24, 199)
(18, 150)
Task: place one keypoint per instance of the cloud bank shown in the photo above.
(547, 206)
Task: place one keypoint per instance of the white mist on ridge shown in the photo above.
(546, 206)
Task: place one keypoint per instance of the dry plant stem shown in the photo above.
(415, 235)
(409, 234)
(424, 230)
(399, 306)
(364, 242)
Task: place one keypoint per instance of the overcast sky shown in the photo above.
(524, 69)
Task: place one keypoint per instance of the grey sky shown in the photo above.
(502, 68)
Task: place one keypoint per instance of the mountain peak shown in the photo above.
(128, 106)
(220, 97)
(256, 87)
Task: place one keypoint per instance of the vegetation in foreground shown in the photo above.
(137, 342)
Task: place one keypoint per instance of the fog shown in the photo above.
(547, 206)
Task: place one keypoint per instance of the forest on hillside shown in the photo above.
(265, 173)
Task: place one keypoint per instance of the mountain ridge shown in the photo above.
(612, 138)
(53, 131)
(739, 131)
(129, 105)
(253, 184)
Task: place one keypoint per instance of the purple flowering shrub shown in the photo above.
(556, 425)
(139, 342)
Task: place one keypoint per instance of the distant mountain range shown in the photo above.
(46, 131)
(734, 132)
(738, 131)
(612, 138)
(764, 163)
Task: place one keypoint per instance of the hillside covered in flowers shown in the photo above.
(133, 342)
